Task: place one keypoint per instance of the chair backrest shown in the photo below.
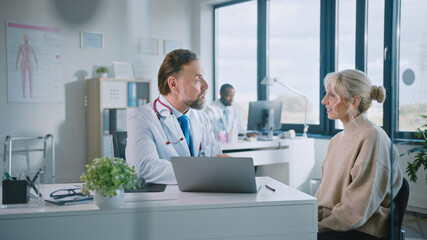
(119, 144)
(399, 208)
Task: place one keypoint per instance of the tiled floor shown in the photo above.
(415, 226)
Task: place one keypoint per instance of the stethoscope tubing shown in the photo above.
(168, 142)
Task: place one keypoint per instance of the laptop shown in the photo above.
(215, 174)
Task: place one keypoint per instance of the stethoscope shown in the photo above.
(168, 141)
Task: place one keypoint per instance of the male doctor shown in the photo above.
(172, 125)
(225, 117)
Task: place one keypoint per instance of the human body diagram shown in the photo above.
(26, 52)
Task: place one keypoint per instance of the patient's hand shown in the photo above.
(222, 155)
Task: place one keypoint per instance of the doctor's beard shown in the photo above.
(199, 102)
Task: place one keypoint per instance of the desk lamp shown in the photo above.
(269, 81)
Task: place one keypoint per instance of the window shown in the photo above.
(353, 34)
(372, 46)
(346, 35)
(236, 51)
(294, 41)
(413, 65)
(375, 66)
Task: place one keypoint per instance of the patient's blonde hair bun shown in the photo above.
(351, 82)
(378, 93)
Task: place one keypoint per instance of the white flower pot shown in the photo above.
(103, 75)
(110, 203)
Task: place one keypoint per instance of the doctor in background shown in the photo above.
(226, 119)
(172, 124)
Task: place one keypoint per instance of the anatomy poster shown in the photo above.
(33, 64)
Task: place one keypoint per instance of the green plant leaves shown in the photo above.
(102, 70)
(107, 175)
(420, 158)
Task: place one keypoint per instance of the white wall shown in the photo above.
(122, 23)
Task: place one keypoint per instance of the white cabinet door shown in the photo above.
(114, 94)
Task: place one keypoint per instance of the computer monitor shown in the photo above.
(264, 116)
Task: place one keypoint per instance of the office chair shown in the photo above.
(119, 144)
(119, 140)
(399, 208)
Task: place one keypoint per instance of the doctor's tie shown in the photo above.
(226, 123)
(183, 120)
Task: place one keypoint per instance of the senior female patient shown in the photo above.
(354, 197)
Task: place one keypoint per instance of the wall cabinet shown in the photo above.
(108, 101)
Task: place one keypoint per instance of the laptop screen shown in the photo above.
(215, 174)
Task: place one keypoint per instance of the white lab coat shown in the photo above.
(215, 112)
(146, 147)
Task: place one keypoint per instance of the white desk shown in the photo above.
(290, 161)
(284, 214)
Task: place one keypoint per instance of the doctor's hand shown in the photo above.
(222, 155)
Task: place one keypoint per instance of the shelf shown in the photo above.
(108, 102)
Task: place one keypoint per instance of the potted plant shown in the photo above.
(108, 177)
(102, 71)
(420, 156)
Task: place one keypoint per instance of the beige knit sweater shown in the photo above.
(355, 189)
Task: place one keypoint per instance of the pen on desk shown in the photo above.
(272, 189)
(7, 175)
(37, 174)
(31, 184)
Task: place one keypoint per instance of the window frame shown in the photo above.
(328, 59)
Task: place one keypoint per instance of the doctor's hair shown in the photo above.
(350, 83)
(224, 87)
(171, 66)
